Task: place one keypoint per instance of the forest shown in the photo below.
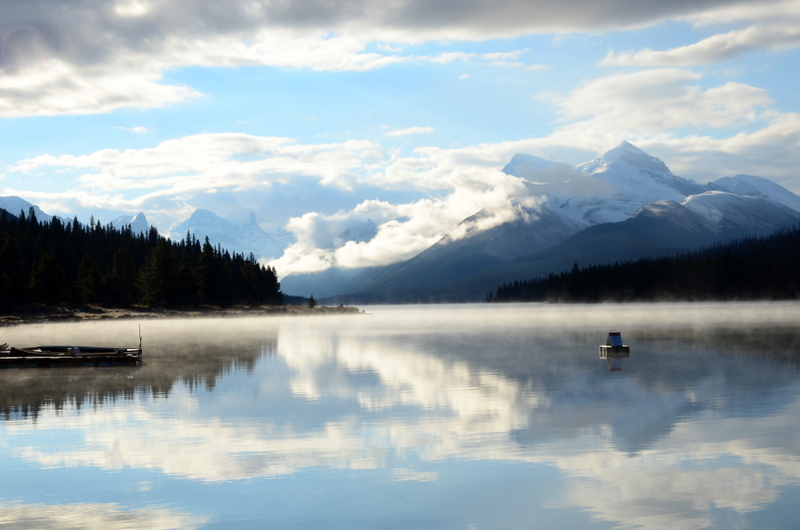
(59, 262)
(755, 268)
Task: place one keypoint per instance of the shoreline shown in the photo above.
(43, 314)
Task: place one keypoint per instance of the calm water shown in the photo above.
(440, 417)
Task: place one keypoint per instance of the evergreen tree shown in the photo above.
(158, 278)
(49, 262)
(249, 281)
(187, 280)
(13, 267)
(89, 281)
(123, 277)
(48, 283)
(208, 274)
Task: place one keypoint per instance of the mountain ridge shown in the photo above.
(620, 186)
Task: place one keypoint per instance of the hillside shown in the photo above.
(755, 268)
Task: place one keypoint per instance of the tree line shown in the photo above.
(59, 262)
(755, 268)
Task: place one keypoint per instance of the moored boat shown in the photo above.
(11, 357)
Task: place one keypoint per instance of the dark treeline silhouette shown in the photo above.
(60, 262)
(765, 268)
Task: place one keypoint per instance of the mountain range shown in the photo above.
(623, 205)
(240, 233)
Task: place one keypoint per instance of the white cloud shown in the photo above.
(93, 516)
(410, 130)
(93, 58)
(406, 229)
(722, 47)
(198, 162)
(57, 87)
(780, 10)
(136, 130)
(662, 99)
(161, 180)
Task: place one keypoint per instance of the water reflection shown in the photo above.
(699, 430)
(90, 516)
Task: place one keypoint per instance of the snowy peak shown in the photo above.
(241, 234)
(627, 153)
(630, 154)
(628, 166)
(137, 223)
(14, 205)
(738, 215)
(523, 166)
(753, 186)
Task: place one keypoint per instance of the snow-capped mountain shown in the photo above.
(15, 205)
(752, 186)
(621, 205)
(137, 223)
(241, 234)
(731, 215)
(614, 186)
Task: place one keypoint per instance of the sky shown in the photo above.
(321, 115)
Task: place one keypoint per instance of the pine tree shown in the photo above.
(13, 267)
(158, 278)
(48, 283)
(123, 282)
(89, 281)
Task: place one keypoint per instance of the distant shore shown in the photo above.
(47, 313)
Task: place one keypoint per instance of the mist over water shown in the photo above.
(456, 416)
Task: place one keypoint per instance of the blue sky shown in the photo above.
(321, 115)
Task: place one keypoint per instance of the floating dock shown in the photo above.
(54, 356)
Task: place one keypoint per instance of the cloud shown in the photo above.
(778, 11)
(57, 87)
(410, 130)
(161, 180)
(96, 56)
(653, 103)
(722, 47)
(136, 130)
(203, 161)
(405, 229)
(89, 516)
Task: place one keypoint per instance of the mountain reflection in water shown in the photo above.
(431, 417)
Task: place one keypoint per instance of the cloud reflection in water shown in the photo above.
(695, 421)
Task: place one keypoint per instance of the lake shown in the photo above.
(467, 417)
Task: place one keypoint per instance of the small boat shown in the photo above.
(11, 357)
(613, 351)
